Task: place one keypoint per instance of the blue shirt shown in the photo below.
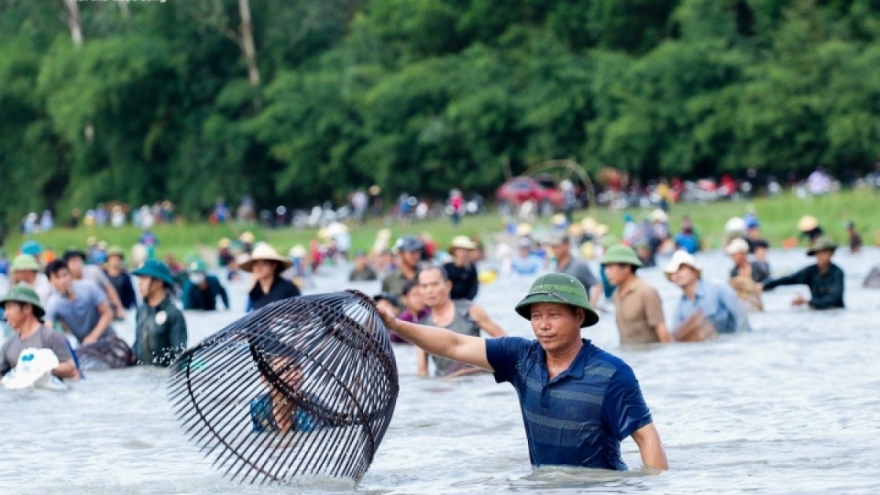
(719, 305)
(526, 266)
(687, 242)
(579, 417)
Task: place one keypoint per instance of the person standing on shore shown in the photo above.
(637, 305)
(825, 279)
(578, 402)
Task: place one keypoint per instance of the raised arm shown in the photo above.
(439, 341)
(650, 447)
(482, 319)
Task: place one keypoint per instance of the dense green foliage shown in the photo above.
(422, 95)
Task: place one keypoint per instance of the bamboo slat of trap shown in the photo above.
(747, 291)
(105, 354)
(302, 387)
(696, 328)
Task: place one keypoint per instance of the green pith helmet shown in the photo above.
(558, 288)
(25, 295)
(197, 266)
(154, 268)
(24, 263)
(822, 244)
(620, 254)
(115, 251)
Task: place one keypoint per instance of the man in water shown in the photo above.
(160, 331)
(825, 279)
(80, 305)
(565, 263)
(24, 313)
(362, 271)
(409, 251)
(25, 270)
(716, 302)
(119, 277)
(201, 290)
(738, 250)
(75, 259)
(526, 262)
(459, 316)
(639, 311)
(578, 402)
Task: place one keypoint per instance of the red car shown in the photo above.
(546, 194)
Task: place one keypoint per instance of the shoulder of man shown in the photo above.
(602, 356)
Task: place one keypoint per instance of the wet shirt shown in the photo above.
(160, 333)
(461, 323)
(580, 416)
(125, 289)
(43, 338)
(760, 271)
(365, 275)
(80, 315)
(194, 297)
(394, 282)
(579, 270)
(638, 311)
(826, 289)
(263, 419)
(280, 290)
(718, 304)
(464, 281)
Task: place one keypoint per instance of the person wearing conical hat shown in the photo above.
(809, 227)
(24, 313)
(201, 289)
(716, 302)
(25, 270)
(639, 311)
(462, 272)
(825, 279)
(266, 265)
(120, 279)
(578, 402)
(160, 328)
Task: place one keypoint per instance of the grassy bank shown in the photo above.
(778, 217)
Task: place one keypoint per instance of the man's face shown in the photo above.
(263, 270)
(616, 273)
(524, 252)
(75, 264)
(434, 288)
(15, 314)
(555, 325)
(360, 262)
(738, 258)
(560, 251)
(823, 258)
(414, 300)
(61, 280)
(114, 262)
(684, 276)
(410, 258)
(145, 285)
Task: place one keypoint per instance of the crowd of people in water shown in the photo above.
(70, 302)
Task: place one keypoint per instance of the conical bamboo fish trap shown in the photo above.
(105, 354)
(302, 387)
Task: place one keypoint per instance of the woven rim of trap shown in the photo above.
(364, 422)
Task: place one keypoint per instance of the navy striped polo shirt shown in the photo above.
(579, 417)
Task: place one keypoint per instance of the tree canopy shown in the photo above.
(299, 102)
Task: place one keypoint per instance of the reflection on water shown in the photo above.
(792, 407)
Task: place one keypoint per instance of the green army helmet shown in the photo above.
(24, 263)
(154, 268)
(26, 295)
(558, 288)
(116, 251)
(620, 254)
(197, 265)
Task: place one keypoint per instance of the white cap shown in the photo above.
(738, 245)
(681, 257)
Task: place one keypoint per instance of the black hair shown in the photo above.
(760, 243)
(73, 253)
(429, 267)
(409, 286)
(55, 267)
